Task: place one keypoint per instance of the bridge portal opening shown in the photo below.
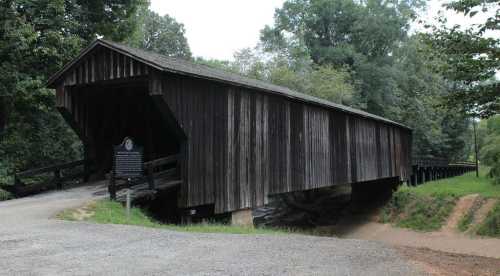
(116, 111)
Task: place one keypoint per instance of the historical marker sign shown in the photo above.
(128, 159)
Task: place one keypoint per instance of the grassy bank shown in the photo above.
(411, 210)
(460, 186)
(109, 212)
(427, 207)
(491, 225)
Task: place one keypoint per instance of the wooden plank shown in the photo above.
(50, 168)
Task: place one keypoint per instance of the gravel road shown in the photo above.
(33, 243)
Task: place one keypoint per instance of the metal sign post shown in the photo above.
(127, 164)
(128, 203)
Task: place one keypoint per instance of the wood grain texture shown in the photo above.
(236, 145)
(245, 145)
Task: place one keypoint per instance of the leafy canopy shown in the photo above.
(36, 38)
(471, 58)
(161, 34)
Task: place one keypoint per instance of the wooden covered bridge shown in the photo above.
(236, 140)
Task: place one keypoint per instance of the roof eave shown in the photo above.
(51, 83)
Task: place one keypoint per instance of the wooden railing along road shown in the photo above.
(60, 174)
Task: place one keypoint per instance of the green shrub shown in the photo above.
(418, 212)
(491, 225)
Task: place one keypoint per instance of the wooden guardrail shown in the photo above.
(153, 169)
(428, 169)
(58, 177)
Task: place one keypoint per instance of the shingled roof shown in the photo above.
(184, 67)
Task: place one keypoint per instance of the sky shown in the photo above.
(218, 28)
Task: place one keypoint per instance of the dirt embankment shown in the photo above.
(444, 252)
(450, 264)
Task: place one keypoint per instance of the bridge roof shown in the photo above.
(184, 67)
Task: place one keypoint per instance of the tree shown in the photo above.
(490, 150)
(471, 58)
(359, 35)
(36, 39)
(331, 84)
(390, 73)
(161, 34)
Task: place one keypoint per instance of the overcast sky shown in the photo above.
(218, 28)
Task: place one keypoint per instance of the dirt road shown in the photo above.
(31, 243)
(444, 252)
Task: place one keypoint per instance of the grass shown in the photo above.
(426, 207)
(109, 212)
(460, 186)
(465, 221)
(491, 224)
(418, 212)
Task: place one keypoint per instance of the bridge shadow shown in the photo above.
(325, 210)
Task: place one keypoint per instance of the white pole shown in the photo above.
(128, 203)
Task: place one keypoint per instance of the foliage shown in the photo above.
(423, 213)
(345, 33)
(161, 34)
(36, 39)
(490, 150)
(386, 72)
(472, 59)
(491, 224)
(105, 211)
(324, 82)
(331, 84)
(459, 186)
(418, 90)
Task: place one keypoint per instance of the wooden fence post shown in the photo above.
(150, 177)
(57, 179)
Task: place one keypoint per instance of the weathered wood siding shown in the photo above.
(243, 145)
(237, 145)
(102, 64)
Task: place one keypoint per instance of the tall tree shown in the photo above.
(161, 34)
(392, 73)
(490, 150)
(36, 38)
(360, 35)
(471, 58)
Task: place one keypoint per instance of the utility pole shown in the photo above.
(475, 145)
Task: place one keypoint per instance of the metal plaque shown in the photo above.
(127, 161)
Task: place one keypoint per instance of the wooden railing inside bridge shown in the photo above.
(159, 174)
